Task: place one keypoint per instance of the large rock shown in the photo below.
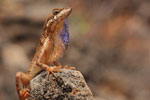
(65, 85)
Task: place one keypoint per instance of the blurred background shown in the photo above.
(109, 44)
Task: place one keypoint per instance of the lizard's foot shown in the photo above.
(66, 67)
(22, 79)
(23, 94)
(56, 69)
(52, 70)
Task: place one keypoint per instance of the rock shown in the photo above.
(65, 85)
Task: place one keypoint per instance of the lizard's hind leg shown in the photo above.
(22, 80)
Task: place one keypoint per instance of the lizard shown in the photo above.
(53, 43)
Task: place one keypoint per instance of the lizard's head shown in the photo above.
(61, 13)
(56, 24)
(57, 16)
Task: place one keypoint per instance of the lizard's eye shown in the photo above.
(55, 12)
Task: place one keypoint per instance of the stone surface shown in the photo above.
(65, 85)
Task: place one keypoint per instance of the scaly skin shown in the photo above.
(53, 43)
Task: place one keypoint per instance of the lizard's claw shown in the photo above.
(52, 70)
(67, 67)
(56, 69)
(24, 94)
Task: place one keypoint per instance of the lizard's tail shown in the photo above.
(18, 83)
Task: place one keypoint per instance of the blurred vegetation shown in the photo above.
(109, 44)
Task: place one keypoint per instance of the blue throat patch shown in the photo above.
(65, 34)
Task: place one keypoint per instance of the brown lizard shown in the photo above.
(54, 41)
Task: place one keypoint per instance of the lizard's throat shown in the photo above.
(65, 34)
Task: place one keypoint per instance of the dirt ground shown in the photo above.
(109, 44)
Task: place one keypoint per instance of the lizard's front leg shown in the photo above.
(22, 79)
(53, 69)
